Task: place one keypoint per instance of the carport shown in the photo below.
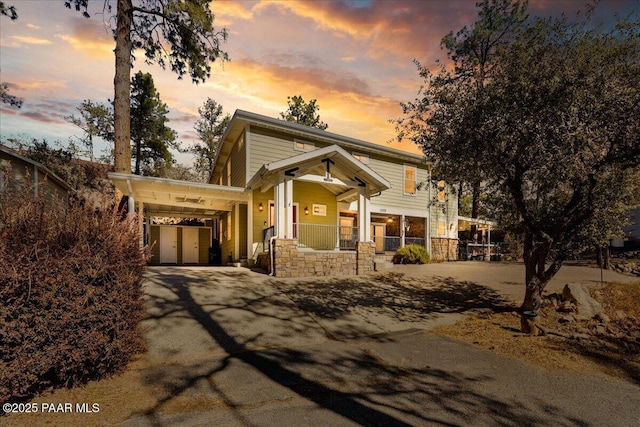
(152, 197)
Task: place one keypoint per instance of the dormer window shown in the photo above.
(303, 146)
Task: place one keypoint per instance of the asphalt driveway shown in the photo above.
(245, 349)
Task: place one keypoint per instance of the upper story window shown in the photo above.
(410, 175)
(364, 158)
(303, 146)
(441, 191)
(241, 142)
(229, 172)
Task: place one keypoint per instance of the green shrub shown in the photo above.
(70, 294)
(411, 254)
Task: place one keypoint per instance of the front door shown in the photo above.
(190, 245)
(168, 245)
(272, 217)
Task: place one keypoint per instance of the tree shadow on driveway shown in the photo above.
(381, 303)
(243, 375)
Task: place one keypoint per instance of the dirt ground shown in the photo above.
(607, 345)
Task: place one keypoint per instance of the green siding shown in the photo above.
(449, 217)
(393, 171)
(226, 241)
(306, 194)
(238, 165)
(243, 231)
(260, 219)
(268, 146)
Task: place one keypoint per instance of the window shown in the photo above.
(303, 146)
(441, 191)
(229, 172)
(228, 225)
(241, 142)
(441, 228)
(410, 173)
(364, 158)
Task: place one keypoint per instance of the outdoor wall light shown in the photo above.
(260, 207)
(389, 220)
(306, 210)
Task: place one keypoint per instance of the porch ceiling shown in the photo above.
(331, 167)
(165, 197)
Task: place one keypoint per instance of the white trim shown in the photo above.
(322, 180)
(250, 226)
(236, 231)
(247, 155)
(334, 152)
(387, 210)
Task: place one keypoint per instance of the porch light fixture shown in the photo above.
(389, 219)
(260, 207)
(306, 210)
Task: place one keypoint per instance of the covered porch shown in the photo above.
(297, 201)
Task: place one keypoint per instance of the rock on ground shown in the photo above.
(586, 307)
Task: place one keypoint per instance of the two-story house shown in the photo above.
(300, 201)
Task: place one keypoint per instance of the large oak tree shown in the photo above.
(556, 130)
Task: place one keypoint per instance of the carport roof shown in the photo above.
(165, 197)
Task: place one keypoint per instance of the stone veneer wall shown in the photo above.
(440, 247)
(366, 253)
(289, 261)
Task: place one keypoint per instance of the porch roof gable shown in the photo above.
(329, 166)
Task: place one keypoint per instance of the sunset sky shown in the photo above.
(353, 56)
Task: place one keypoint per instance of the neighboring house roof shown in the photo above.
(243, 118)
(166, 197)
(330, 165)
(43, 169)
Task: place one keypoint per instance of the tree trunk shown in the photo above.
(599, 255)
(137, 169)
(475, 202)
(534, 259)
(122, 88)
(606, 259)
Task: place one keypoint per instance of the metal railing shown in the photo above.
(338, 237)
(326, 237)
(420, 241)
(387, 243)
(267, 234)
